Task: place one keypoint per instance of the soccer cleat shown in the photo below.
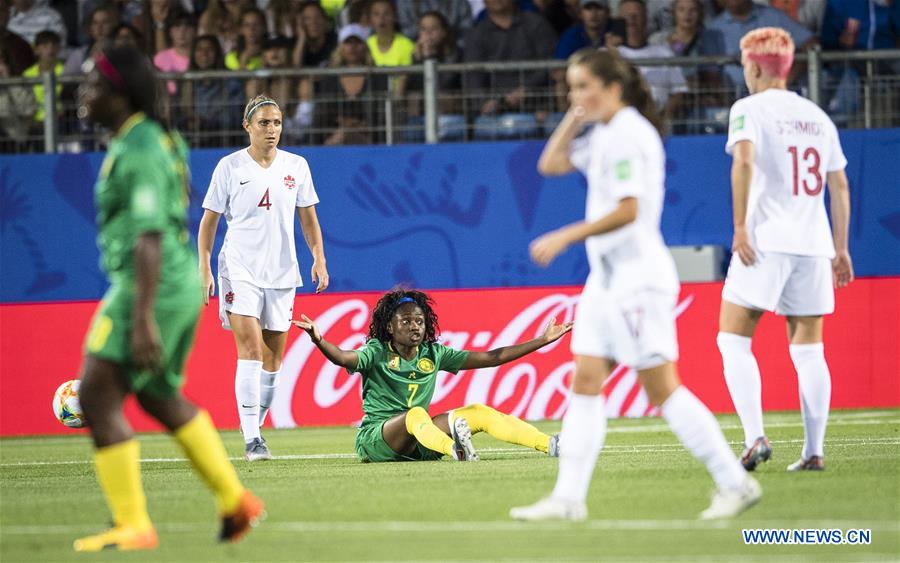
(730, 503)
(122, 538)
(256, 449)
(814, 463)
(553, 447)
(249, 513)
(758, 452)
(463, 450)
(550, 509)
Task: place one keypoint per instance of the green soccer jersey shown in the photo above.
(143, 187)
(393, 385)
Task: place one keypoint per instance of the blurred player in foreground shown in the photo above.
(786, 258)
(399, 366)
(143, 330)
(259, 189)
(626, 311)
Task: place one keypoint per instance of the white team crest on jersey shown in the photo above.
(289, 182)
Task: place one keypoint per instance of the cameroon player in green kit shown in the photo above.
(399, 366)
(143, 329)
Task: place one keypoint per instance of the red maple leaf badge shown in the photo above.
(289, 182)
(229, 297)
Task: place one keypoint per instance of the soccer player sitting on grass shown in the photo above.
(399, 366)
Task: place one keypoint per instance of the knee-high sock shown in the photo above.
(699, 432)
(742, 377)
(581, 439)
(246, 391)
(482, 418)
(119, 473)
(268, 382)
(203, 446)
(420, 425)
(815, 394)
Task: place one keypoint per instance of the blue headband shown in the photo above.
(401, 301)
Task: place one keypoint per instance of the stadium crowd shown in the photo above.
(61, 36)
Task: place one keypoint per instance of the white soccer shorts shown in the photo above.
(788, 284)
(637, 330)
(273, 307)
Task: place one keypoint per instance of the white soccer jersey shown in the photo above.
(259, 206)
(625, 158)
(795, 146)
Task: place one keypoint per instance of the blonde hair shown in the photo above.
(771, 48)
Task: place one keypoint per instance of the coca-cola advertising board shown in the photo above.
(41, 347)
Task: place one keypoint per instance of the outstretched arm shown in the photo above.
(347, 359)
(499, 356)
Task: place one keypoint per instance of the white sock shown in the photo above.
(246, 391)
(815, 394)
(267, 384)
(697, 429)
(742, 377)
(581, 439)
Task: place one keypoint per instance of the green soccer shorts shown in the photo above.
(109, 337)
(371, 447)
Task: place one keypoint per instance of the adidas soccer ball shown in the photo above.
(66, 406)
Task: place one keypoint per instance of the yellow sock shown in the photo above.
(482, 418)
(119, 472)
(203, 446)
(420, 425)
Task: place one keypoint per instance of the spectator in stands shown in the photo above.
(508, 34)
(155, 20)
(222, 18)
(181, 30)
(47, 45)
(723, 34)
(18, 51)
(354, 11)
(590, 31)
(210, 105)
(388, 47)
(127, 34)
(276, 55)
(808, 13)
(435, 41)
(861, 25)
(347, 111)
(281, 16)
(686, 34)
(29, 17)
(457, 13)
(101, 24)
(247, 54)
(17, 108)
(667, 83)
(314, 39)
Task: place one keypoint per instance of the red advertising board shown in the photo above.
(40, 346)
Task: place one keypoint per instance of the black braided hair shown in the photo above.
(387, 306)
(139, 82)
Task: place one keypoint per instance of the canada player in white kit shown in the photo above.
(258, 190)
(786, 258)
(626, 313)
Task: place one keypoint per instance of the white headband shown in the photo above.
(262, 103)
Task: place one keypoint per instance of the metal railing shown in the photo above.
(436, 102)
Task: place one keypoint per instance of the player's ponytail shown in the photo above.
(130, 73)
(610, 67)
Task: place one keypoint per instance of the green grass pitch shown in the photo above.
(324, 505)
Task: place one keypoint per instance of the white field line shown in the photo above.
(463, 526)
(617, 425)
(609, 449)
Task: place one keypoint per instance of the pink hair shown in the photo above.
(771, 48)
